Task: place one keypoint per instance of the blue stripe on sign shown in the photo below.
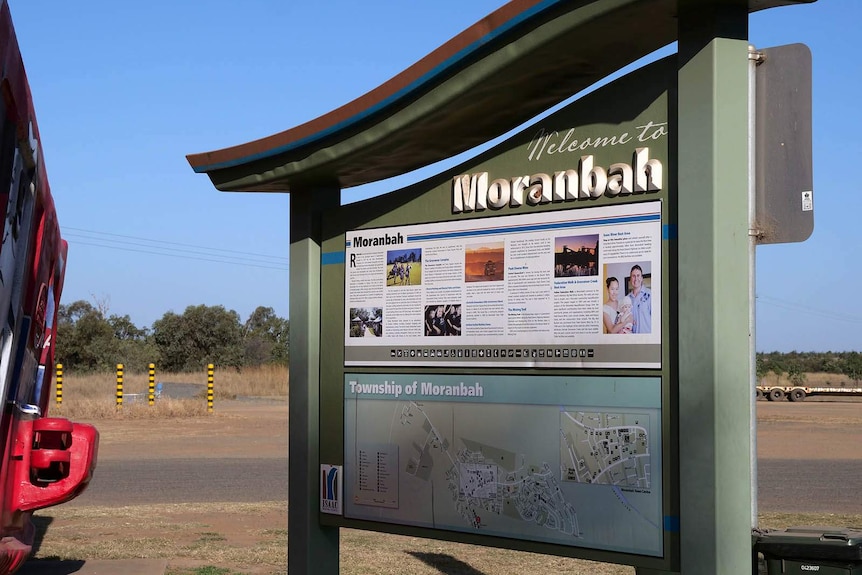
(668, 232)
(534, 227)
(671, 523)
(330, 258)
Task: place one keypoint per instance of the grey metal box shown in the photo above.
(806, 550)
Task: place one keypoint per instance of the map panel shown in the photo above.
(508, 456)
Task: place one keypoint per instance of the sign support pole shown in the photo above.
(313, 549)
(715, 417)
(713, 257)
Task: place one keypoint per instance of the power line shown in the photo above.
(174, 251)
(95, 238)
(171, 255)
(85, 231)
(805, 308)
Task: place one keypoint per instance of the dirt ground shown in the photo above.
(251, 428)
(251, 538)
(246, 537)
(813, 429)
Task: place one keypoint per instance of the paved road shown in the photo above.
(806, 486)
(186, 481)
(785, 485)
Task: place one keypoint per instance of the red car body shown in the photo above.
(45, 461)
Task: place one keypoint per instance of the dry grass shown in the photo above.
(264, 381)
(93, 396)
(381, 554)
(101, 409)
(191, 536)
(785, 520)
(374, 553)
(186, 534)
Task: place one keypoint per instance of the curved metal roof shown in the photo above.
(504, 70)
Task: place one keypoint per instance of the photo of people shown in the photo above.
(404, 267)
(616, 318)
(484, 262)
(366, 322)
(628, 298)
(576, 256)
(443, 319)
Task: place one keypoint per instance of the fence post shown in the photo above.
(119, 386)
(151, 398)
(210, 368)
(59, 384)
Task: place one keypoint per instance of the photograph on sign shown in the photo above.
(566, 460)
(572, 288)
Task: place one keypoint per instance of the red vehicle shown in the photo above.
(45, 461)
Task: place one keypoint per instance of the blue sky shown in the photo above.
(124, 90)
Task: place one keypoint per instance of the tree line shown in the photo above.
(91, 340)
(797, 364)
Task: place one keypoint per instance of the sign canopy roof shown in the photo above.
(515, 63)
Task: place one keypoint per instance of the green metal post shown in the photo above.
(715, 429)
(312, 549)
(713, 340)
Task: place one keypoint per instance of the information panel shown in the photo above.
(563, 289)
(561, 459)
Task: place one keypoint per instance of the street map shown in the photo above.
(607, 448)
(579, 475)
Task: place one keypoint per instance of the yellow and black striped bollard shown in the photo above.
(151, 398)
(119, 386)
(210, 368)
(59, 384)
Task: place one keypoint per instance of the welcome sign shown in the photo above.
(472, 313)
(501, 354)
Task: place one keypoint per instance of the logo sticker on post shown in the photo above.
(330, 489)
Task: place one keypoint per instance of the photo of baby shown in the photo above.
(624, 317)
